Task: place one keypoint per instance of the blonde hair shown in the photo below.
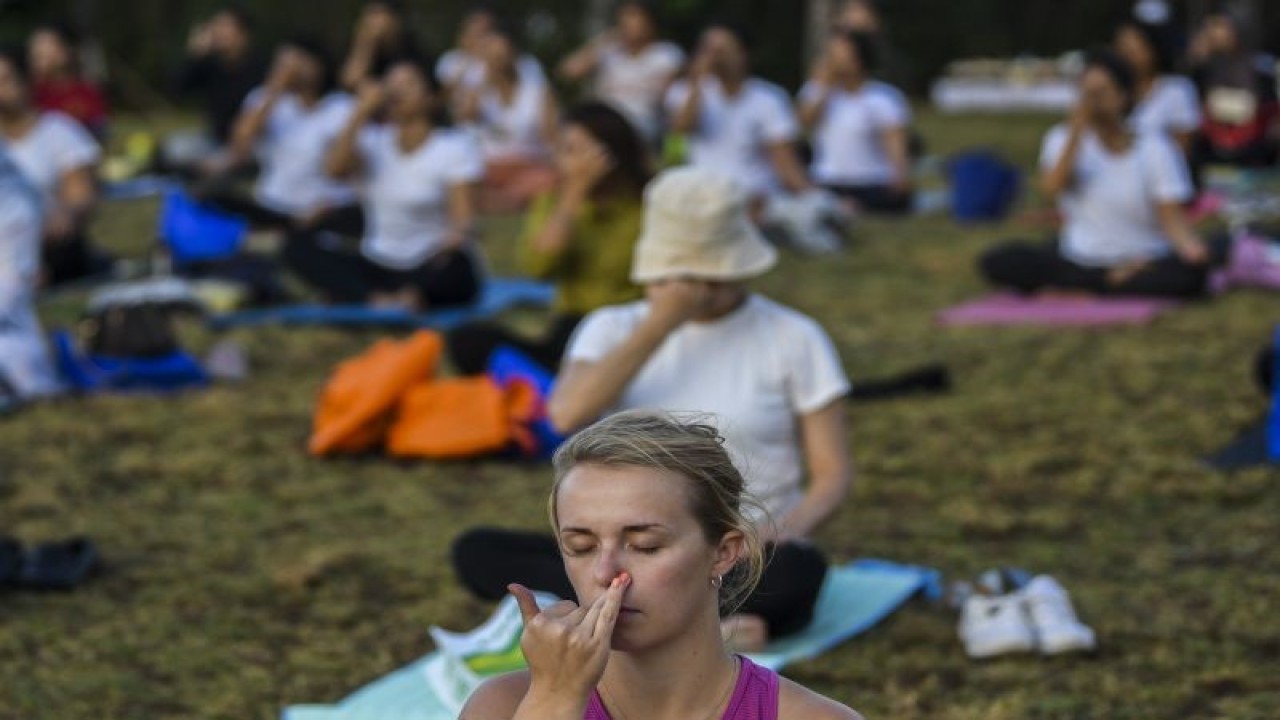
(695, 451)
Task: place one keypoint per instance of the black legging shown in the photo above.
(486, 560)
(471, 345)
(66, 259)
(1266, 369)
(343, 219)
(447, 278)
(876, 199)
(1029, 268)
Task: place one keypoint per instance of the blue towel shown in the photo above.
(855, 598)
(138, 188)
(1273, 418)
(498, 295)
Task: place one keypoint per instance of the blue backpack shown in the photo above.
(177, 370)
(983, 186)
(507, 364)
(193, 232)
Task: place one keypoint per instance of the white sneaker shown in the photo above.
(995, 624)
(1057, 629)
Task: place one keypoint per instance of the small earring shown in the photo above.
(717, 581)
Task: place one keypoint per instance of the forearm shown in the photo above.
(1058, 178)
(817, 507)
(580, 64)
(357, 65)
(597, 386)
(344, 158)
(811, 111)
(899, 155)
(249, 126)
(462, 227)
(786, 163)
(554, 235)
(538, 707)
(685, 119)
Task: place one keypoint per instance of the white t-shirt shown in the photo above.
(848, 140)
(406, 195)
(733, 133)
(24, 357)
(292, 151)
(1172, 106)
(54, 146)
(513, 131)
(460, 69)
(634, 83)
(757, 370)
(1110, 209)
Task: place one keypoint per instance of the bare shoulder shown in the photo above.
(497, 698)
(796, 702)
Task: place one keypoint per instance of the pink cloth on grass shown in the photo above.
(755, 697)
(1013, 309)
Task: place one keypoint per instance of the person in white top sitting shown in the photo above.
(1165, 101)
(632, 67)
(26, 369)
(417, 180)
(514, 112)
(289, 123)
(1121, 194)
(859, 127)
(737, 124)
(701, 342)
(463, 66)
(59, 158)
(382, 37)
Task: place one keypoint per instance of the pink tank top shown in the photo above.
(755, 697)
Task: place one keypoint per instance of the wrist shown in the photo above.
(547, 704)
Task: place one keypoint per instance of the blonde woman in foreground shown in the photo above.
(648, 512)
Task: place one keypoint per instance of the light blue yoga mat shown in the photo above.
(855, 598)
(498, 295)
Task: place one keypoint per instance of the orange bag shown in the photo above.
(462, 418)
(359, 399)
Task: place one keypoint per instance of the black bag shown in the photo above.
(143, 330)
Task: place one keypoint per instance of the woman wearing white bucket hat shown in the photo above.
(701, 342)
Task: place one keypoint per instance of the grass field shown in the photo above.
(244, 576)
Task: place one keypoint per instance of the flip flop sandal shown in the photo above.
(10, 561)
(59, 565)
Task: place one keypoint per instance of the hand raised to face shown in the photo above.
(567, 646)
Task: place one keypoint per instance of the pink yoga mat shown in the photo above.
(1010, 309)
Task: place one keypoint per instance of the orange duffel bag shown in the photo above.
(464, 417)
(359, 400)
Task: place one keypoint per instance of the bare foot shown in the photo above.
(745, 633)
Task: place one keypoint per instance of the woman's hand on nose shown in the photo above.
(567, 646)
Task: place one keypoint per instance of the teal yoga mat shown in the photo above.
(855, 598)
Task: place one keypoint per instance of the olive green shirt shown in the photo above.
(594, 268)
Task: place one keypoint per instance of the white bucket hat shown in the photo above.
(696, 226)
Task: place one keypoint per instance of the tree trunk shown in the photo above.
(817, 26)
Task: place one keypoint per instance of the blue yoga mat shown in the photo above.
(499, 294)
(855, 598)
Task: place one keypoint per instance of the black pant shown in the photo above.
(486, 560)
(1266, 369)
(880, 199)
(342, 219)
(68, 258)
(1029, 268)
(448, 278)
(471, 345)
